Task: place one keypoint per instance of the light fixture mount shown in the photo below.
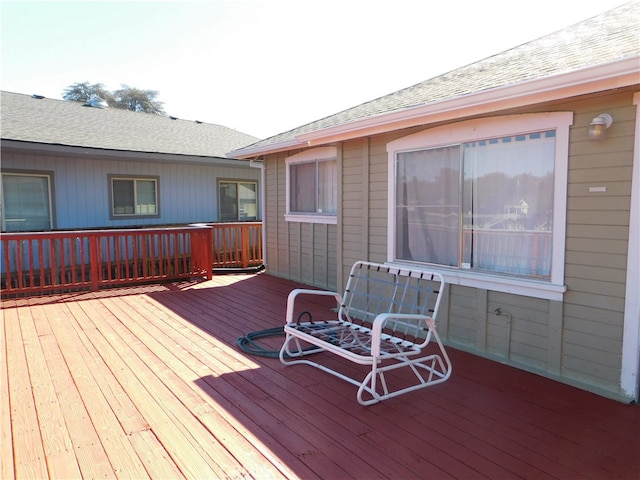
(599, 125)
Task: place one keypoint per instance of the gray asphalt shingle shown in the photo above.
(58, 122)
(610, 36)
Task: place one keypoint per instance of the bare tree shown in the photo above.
(83, 92)
(137, 100)
(126, 98)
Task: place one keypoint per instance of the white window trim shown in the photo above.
(485, 128)
(315, 154)
(630, 371)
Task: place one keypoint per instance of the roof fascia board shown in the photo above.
(71, 151)
(273, 148)
(606, 76)
(615, 74)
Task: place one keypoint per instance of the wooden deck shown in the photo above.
(148, 382)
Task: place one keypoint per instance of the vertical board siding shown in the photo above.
(187, 192)
(305, 252)
(462, 327)
(272, 190)
(354, 207)
(320, 258)
(378, 178)
(305, 243)
(283, 244)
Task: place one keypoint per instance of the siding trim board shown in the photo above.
(630, 372)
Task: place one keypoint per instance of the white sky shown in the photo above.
(263, 67)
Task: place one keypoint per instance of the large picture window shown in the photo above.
(134, 196)
(483, 203)
(312, 186)
(238, 201)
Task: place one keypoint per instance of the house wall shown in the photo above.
(188, 193)
(578, 340)
(305, 252)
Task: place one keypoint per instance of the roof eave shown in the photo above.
(616, 74)
(129, 155)
(252, 152)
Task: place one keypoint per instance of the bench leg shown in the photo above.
(429, 370)
(287, 352)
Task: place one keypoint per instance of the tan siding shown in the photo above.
(462, 310)
(355, 172)
(579, 339)
(305, 252)
(331, 281)
(604, 322)
(596, 245)
(304, 264)
(277, 237)
(597, 233)
(378, 200)
(587, 271)
(528, 335)
(582, 340)
(598, 217)
(595, 276)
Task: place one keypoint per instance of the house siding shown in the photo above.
(597, 239)
(578, 340)
(187, 192)
(305, 252)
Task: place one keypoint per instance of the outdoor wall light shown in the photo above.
(599, 126)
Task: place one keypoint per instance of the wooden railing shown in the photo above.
(39, 262)
(237, 245)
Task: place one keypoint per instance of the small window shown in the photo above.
(26, 202)
(134, 197)
(238, 201)
(312, 186)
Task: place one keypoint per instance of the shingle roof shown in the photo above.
(58, 122)
(607, 37)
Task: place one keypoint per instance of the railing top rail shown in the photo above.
(231, 224)
(93, 233)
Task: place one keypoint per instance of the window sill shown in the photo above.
(311, 218)
(515, 286)
(130, 216)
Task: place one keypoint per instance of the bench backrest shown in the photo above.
(375, 288)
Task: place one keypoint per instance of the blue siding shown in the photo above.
(187, 192)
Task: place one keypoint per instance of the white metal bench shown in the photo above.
(386, 320)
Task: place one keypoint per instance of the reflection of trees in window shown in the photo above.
(464, 205)
(134, 196)
(238, 201)
(26, 202)
(509, 202)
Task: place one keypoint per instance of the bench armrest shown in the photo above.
(291, 299)
(381, 319)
